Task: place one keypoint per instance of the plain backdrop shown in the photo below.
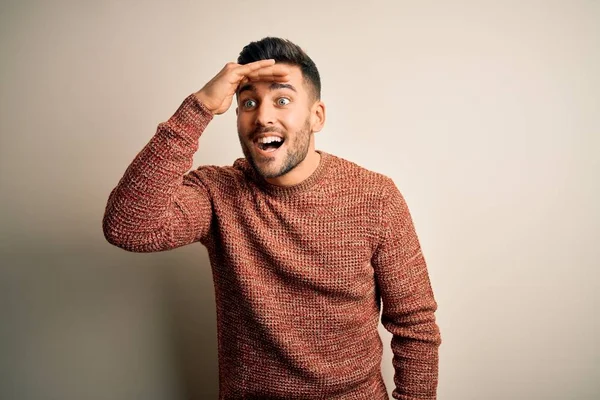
(484, 113)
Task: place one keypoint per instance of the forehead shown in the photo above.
(295, 74)
(295, 79)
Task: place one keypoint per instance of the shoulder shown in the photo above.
(364, 179)
(216, 177)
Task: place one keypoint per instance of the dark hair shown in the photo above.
(285, 52)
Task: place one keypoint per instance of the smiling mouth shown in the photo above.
(268, 147)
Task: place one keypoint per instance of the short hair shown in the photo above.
(285, 52)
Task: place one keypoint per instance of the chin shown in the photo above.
(268, 172)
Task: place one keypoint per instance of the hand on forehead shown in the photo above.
(265, 70)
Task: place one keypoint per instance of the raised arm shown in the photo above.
(152, 208)
(408, 302)
(156, 206)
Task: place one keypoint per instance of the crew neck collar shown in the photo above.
(306, 184)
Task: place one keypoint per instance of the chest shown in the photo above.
(327, 244)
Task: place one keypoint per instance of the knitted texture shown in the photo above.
(300, 272)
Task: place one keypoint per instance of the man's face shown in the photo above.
(274, 123)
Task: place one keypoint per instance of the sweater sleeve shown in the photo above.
(155, 206)
(408, 301)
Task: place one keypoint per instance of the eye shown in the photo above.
(249, 103)
(283, 101)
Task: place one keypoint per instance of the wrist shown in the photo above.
(202, 100)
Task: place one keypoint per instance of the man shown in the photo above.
(304, 246)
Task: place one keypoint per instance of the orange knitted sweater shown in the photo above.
(300, 272)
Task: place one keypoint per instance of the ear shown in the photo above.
(318, 116)
(237, 112)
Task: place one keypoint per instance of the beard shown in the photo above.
(295, 151)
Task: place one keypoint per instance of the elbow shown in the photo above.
(116, 235)
(117, 240)
(112, 230)
(129, 243)
(133, 240)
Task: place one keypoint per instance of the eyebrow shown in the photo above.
(272, 86)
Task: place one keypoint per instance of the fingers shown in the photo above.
(243, 82)
(262, 70)
(253, 66)
(277, 72)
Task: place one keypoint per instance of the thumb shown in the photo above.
(224, 105)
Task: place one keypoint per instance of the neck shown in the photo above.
(300, 172)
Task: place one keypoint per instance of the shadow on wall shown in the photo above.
(191, 318)
(102, 323)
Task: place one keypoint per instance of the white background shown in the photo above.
(485, 114)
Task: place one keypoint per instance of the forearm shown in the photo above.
(141, 211)
(415, 345)
(408, 302)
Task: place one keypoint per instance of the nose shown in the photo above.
(265, 114)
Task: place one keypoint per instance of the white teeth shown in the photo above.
(270, 139)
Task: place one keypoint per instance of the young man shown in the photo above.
(304, 246)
